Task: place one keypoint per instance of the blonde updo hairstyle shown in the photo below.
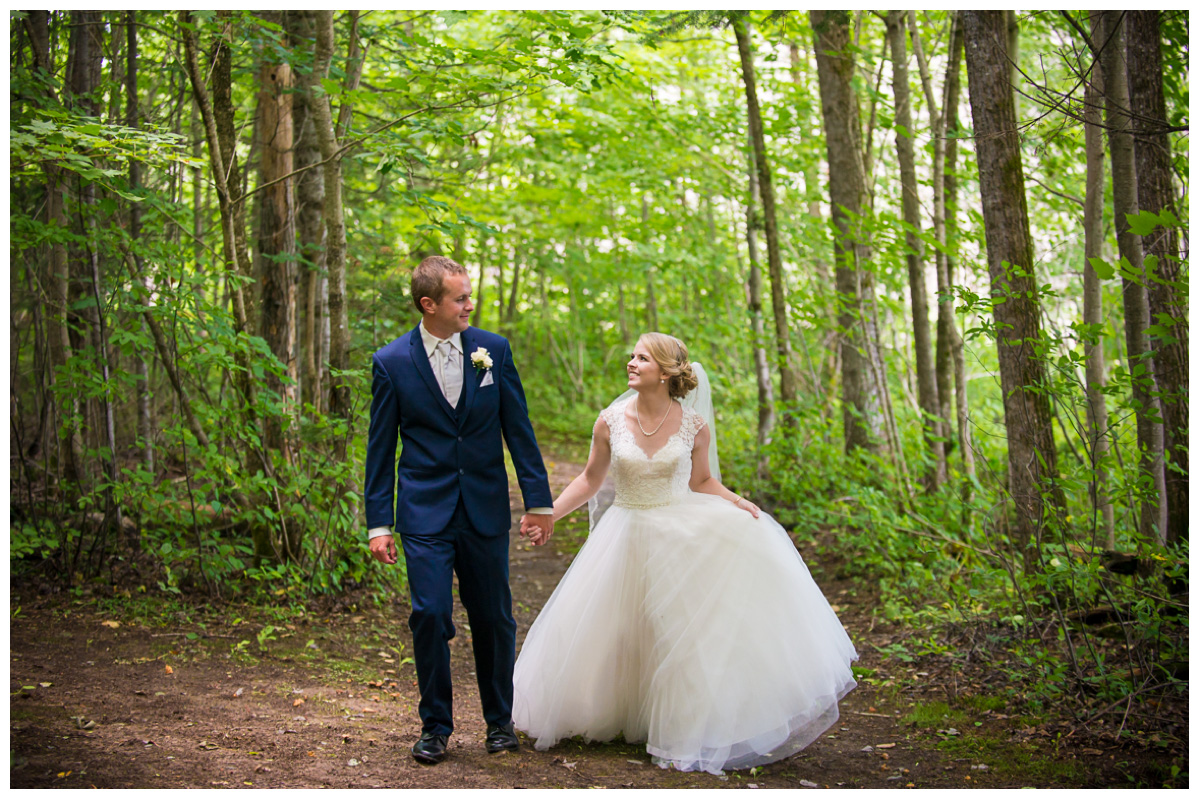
(671, 355)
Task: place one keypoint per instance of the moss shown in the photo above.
(1018, 760)
(936, 715)
(983, 702)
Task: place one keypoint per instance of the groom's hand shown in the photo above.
(537, 527)
(384, 549)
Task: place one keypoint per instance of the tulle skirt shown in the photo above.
(692, 627)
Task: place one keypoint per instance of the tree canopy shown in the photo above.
(870, 227)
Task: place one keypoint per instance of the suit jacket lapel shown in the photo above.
(471, 376)
(421, 362)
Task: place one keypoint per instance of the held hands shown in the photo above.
(537, 528)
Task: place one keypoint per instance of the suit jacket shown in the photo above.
(448, 452)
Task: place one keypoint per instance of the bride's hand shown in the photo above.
(746, 505)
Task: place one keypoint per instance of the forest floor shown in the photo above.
(120, 689)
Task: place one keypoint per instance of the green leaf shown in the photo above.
(1128, 272)
(1159, 331)
(1143, 222)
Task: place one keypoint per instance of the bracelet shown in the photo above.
(737, 498)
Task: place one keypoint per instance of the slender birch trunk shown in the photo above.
(927, 388)
(783, 347)
(762, 369)
(1152, 518)
(1093, 308)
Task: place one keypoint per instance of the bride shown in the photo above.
(688, 620)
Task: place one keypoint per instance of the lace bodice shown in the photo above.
(643, 481)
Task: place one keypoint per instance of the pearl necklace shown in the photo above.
(638, 413)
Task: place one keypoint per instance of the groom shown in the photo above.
(450, 391)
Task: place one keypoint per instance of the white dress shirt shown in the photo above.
(446, 364)
(445, 359)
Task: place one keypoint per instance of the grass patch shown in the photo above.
(862, 673)
(983, 702)
(1019, 760)
(147, 610)
(1011, 759)
(936, 715)
(963, 714)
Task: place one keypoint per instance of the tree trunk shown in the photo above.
(1156, 193)
(232, 243)
(37, 26)
(199, 195)
(516, 284)
(335, 228)
(927, 388)
(783, 346)
(622, 322)
(863, 423)
(651, 302)
(950, 178)
(310, 222)
(132, 120)
(1093, 307)
(480, 287)
(355, 59)
(1152, 519)
(500, 285)
(85, 76)
(57, 281)
(944, 150)
(238, 260)
(84, 72)
(277, 239)
(1032, 462)
(762, 369)
(1013, 38)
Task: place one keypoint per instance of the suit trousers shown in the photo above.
(481, 563)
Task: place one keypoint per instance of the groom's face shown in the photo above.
(453, 313)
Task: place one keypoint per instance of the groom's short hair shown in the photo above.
(427, 279)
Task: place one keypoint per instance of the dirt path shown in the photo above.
(175, 696)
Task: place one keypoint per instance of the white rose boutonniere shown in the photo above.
(480, 359)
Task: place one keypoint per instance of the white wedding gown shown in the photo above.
(683, 622)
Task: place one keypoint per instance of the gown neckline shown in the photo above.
(633, 436)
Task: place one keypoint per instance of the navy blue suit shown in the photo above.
(452, 509)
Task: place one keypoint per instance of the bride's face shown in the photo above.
(642, 369)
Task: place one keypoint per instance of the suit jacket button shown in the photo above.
(462, 472)
(460, 438)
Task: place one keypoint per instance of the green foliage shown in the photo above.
(590, 170)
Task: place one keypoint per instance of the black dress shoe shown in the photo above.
(501, 737)
(430, 748)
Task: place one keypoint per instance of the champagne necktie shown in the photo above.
(451, 373)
